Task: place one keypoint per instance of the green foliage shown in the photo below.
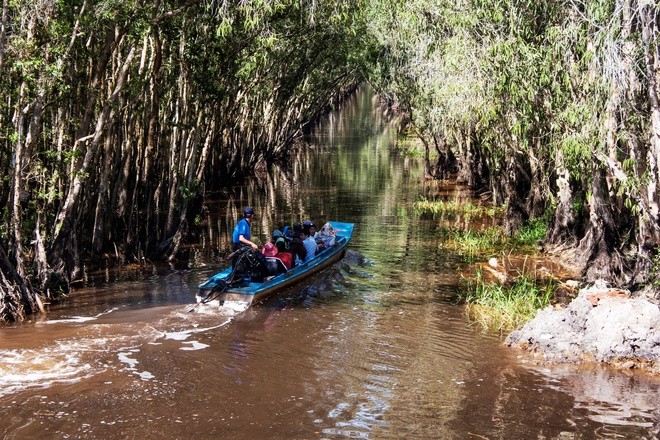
(531, 232)
(519, 89)
(191, 190)
(455, 207)
(242, 77)
(409, 146)
(474, 245)
(655, 269)
(532, 89)
(506, 307)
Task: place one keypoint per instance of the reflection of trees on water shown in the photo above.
(348, 170)
(345, 160)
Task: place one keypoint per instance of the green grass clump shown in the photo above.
(506, 307)
(472, 245)
(454, 207)
(494, 305)
(531, 232)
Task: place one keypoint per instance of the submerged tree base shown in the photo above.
(602, 324)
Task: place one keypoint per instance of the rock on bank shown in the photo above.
(601, 324)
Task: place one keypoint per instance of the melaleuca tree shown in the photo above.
(119, 114)
(550, 106)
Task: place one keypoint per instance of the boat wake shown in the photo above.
(235, 306)
(23, 369)
(79, 319)
(81, 347)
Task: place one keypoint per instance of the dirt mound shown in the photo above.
(601, 324)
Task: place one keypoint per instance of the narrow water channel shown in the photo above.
(377, 350)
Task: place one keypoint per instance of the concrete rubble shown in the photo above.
(602, 324)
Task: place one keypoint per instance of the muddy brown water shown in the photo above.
(374, 351)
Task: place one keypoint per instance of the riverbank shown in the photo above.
(601, 324)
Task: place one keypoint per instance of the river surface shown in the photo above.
(373, 349)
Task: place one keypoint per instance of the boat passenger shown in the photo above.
(241, 236)
(277, 234)
(326, 236)
(320, 242)
(310, 227)
(269, 250)
(310, 244)
(291, 232)
(297, 249)
(287, 233)
(270, 246)
(282, 253)
(274, 265)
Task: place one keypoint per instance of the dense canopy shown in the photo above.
(118, 115)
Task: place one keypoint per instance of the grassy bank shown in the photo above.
(507, 306)
(455, 207)
(513, 300)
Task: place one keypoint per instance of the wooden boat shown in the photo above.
(246, 292)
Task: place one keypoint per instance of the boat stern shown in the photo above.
(215, 298)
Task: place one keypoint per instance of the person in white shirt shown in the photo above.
(308, 240)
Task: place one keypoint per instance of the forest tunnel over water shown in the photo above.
(375, 350)
(133, 133)
(122, 116)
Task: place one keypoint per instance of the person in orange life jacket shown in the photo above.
(241, 236)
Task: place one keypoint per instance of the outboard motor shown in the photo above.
(249, 264)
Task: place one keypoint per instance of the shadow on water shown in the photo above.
(373, 348)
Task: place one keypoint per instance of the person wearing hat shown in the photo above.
(241, 236)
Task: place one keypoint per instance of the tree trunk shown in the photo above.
(16, 299)
(561, 231)
(16, 241)
(516, 191)
(98, 230)
(534, 205)
(3, 31)
(64, 236)
(598, 250)
(445, 163)
(64, 220)
(649, 19)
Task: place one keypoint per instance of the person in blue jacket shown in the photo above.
(241, 236)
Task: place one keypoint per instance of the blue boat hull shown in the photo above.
(250, 292)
